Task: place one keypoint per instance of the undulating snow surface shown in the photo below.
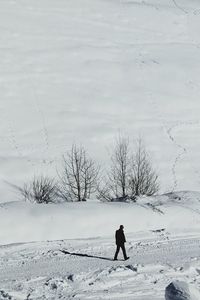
(43, 271)
(80, 71)
(163, 242)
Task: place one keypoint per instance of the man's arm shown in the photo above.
(124, 238)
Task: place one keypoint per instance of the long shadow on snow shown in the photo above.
(85, 255)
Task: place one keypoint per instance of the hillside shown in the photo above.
(26, 222)
(80, 71)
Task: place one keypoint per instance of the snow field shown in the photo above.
(80, 72)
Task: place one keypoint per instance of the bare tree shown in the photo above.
(79, 176)
(143, 179)
(117, 179)
(40, 190)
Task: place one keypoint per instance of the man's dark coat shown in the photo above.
(120, 237)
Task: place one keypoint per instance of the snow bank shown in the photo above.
(23, 221)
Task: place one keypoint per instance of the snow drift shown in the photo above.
(22, 221)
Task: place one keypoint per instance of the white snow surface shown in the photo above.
(80, 71)
(26, 222)
(66, 251)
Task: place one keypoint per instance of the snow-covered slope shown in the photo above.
(78, 71)
(22, 222)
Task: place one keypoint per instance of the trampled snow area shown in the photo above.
(72, 256)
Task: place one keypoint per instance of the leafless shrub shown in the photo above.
(40, 190)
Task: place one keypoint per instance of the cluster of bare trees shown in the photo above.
(130, 175)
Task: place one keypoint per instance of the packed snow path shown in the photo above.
(42, 270)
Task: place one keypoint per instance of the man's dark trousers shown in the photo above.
(123, 250)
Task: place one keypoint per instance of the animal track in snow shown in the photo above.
(171, 136)
(183, 149)
(179, 7)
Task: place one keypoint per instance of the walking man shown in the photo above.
(120, 240)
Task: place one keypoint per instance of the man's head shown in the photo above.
(121, 227)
